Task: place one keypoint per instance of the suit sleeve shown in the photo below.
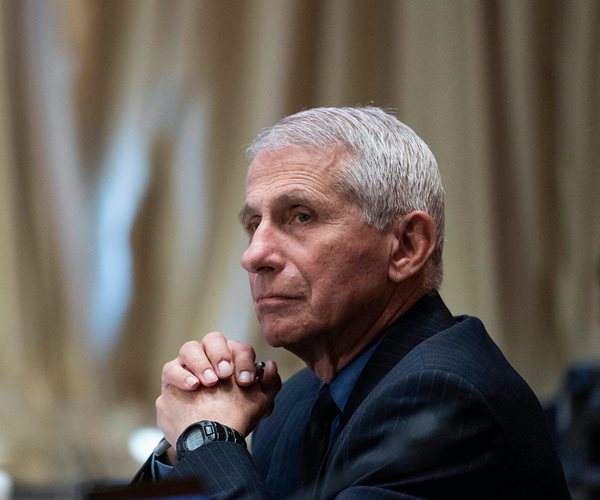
(225, 470)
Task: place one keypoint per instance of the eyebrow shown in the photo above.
(297, 197)
(245, 213)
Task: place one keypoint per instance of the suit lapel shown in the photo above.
(427, 317)
(286, 444)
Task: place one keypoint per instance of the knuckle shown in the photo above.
(196, 362)
(242, 349)
(190, 345)
(211, 336)
(165, 375)
(167, 367)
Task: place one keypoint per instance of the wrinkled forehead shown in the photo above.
(321, 160)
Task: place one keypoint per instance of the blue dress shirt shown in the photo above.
(343, 383)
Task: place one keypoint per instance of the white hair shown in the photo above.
(388, 170)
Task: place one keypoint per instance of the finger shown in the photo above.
(244, 362)
(270, 382)
(193, 359)
(217, 351)
(176, 375)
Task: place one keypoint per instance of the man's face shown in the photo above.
(316, 270)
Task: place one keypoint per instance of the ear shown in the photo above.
(415, 237)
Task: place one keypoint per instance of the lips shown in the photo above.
(274, 298)
(266, 292)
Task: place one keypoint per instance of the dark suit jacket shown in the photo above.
(437, 413)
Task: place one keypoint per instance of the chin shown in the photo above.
(276, 338)
(289, 337)
(279, 334)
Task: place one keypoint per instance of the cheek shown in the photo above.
(357, 280)
(338, 276)
(359, 265)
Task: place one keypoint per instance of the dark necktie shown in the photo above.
(316, 435)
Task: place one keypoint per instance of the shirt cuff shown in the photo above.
(158, 468)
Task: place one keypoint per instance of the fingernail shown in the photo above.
(245, 376)
(225, 368)
(191, 381)
(210, 376)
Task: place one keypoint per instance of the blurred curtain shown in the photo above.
(122, 132)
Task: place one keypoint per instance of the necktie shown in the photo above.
(316, 435)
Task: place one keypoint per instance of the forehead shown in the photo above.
(295, 169)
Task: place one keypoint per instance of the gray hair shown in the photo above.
(389, 171)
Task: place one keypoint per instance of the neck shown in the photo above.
(338, 349)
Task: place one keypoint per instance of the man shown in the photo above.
(345, 214)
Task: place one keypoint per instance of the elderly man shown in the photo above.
(345, 214)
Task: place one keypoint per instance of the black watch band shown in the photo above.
(204, 432)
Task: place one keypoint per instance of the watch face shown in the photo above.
(194, 440)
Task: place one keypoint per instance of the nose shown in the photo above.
(263, 254)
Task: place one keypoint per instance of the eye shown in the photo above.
(300, 214)
(302, 217)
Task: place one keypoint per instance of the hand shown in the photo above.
(205, 363)
(227, 402)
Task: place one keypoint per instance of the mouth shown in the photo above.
(273, 299)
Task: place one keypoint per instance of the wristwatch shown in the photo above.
(203, 432)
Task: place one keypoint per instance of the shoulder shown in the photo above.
(466, 354)
(463, 362)
(454, 402)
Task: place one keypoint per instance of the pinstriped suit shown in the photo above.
(437, 413)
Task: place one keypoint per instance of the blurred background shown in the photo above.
(123, 127)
